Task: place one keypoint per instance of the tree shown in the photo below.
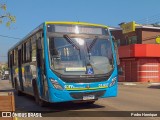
(6, 16)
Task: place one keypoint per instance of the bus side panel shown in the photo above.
(16, 77)
(112, 91)
(28, 74)
(15, 69)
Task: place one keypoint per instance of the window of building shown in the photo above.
(132, 40)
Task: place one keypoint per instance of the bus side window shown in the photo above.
(39, 52)
(52, 47)
(24, 52)
(40, 56)
(28, 51)
(33, 50)
(15, 57)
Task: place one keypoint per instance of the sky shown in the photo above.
(31, 13)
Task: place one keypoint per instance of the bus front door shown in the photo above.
(41, 68)
(20, 69)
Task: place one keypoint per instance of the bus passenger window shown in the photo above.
(15, 56)
(33, 52)
(28, 56)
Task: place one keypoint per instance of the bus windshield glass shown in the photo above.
(80, 53)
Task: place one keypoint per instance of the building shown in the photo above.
(139, 52)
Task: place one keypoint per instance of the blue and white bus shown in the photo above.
(65, 61)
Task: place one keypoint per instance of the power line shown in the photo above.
(150, 20)
(3, 56)
(9, 37)
(151, 37)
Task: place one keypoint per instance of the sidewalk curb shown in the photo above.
(154, 84)
(127, 83)
(138, 84)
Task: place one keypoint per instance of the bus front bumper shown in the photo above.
(77, 95)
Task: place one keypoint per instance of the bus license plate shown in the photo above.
(90, 97)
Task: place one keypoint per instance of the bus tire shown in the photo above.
(18, 92)
(39, 101)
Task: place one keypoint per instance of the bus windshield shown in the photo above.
(79, 50)
(75, 55)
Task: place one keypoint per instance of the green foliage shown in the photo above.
(3, 7)
(5, 16)
(3, 67)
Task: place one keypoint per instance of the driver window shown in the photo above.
(53, 50)
(59, 47)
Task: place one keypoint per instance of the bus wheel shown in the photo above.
(36, 94)
(18, 92)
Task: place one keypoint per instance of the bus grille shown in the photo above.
(79, 95)
(84, 80)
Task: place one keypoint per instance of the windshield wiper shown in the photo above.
(71, 41)
(91, 45)
(94, 41)
(88, 50)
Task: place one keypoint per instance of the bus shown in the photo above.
(65, 61)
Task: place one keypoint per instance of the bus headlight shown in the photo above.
(56, 84)
(113, 81)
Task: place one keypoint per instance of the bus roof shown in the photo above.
(55, 22)
(76, 23)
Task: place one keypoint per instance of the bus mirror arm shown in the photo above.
(116, 50)
(120, 71)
